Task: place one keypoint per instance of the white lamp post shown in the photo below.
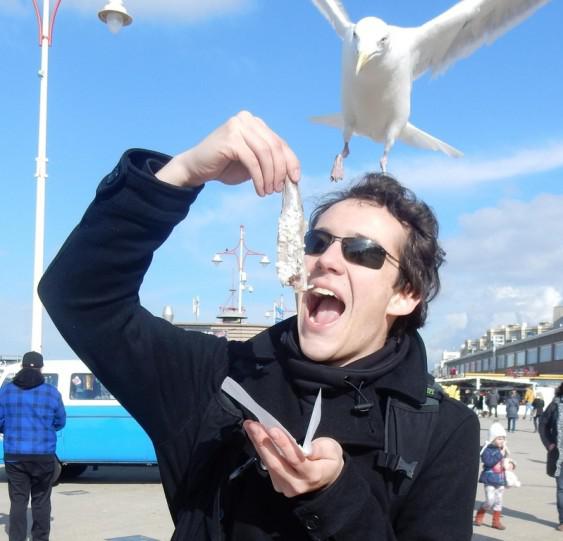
(241, 251)
(46, 23)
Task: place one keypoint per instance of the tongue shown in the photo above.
(329, 310)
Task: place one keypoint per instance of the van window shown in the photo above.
(86, 386)
(52, 379)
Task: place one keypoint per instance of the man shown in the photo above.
(492, 401)
(372, 257)
(512, 404)
(551, 434)
(31, 412)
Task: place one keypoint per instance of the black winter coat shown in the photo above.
(169, 380)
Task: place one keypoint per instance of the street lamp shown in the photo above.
(168, 313)
(111, 14)
(115, 16)
(241, 251)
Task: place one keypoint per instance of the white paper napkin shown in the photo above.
(234, 390)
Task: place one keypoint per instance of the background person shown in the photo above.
(31, 412)
(528, 400)
(373, 257)
(551, 432)
(492, 401)
(537, 409)
(512, 404)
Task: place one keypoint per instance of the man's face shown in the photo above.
(348, 313)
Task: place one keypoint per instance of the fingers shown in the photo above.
(290, 471)
(285, 162)
(267, 156)
(273, 445)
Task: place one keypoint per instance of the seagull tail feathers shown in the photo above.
(335, 121)
(415, 137)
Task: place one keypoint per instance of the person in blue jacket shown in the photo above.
(31, 412)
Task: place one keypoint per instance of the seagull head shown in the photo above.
(371, 38)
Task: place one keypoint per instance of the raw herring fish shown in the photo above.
(234, 390)
(291, 230)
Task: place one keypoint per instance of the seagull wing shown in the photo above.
(463, 28)
(334, 11)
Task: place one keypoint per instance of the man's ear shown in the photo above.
(402, 303)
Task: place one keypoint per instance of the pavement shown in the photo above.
(127, 503)
(113, 503)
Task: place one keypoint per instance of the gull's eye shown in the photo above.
(355, 35)
(383, 40)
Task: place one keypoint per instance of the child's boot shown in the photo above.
(496, 521)
(479, 516)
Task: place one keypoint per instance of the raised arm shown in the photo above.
(91, 289)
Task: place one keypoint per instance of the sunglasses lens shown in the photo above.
(316, 242)
(363, 252)
(360, 251)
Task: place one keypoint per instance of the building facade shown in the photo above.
(515, 349)
(534, 355)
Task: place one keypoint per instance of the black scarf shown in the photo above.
(309, 375)
(28, 378)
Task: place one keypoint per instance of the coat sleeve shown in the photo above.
(159, 372)
(491, 457)
(547, 426)
(2, 414)
(59, 421)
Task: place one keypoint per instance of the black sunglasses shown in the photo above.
(358, 250)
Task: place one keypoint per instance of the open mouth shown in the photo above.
(324, 306)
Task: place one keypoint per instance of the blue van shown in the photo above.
(98, 430)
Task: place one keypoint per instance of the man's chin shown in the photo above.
(316, 349)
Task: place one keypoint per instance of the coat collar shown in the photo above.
(407, 378)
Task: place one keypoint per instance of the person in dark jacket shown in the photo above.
(512, 404)
(31, 412)
(551, 434)
(492, 401)
(538, 405)
(372, 256)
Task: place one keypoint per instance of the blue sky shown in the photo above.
(183, 67)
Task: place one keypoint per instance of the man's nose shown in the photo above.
(332, 259)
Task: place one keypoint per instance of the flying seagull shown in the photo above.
(380, 62)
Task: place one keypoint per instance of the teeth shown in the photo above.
(323, 291)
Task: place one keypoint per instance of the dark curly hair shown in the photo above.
(420, 257)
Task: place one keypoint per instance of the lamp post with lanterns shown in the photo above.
(241, 252)
(115, 16)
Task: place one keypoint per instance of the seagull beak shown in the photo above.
(363, 59)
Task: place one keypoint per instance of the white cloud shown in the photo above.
(13, 7)
(503, 267)
(516, 239)
(435, 171)
(172, 10)
(457, 320)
